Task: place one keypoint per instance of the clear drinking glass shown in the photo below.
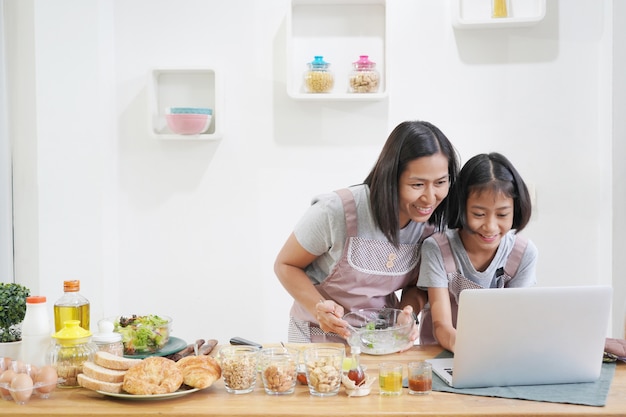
(278, 370)
(420, 378)
(323, 370)
(390, 378)
(239, 367)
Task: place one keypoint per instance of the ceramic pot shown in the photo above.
(10, 349)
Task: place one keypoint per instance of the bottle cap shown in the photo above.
(72, 333)
(71, 286)
(106, 334)
(36, 299)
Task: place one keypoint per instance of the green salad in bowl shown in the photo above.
(142, 333)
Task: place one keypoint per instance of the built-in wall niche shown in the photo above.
(477, 14)
(184, 87)
(340, 31)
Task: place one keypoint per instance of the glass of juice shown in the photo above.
(390, 378)
(420, 378)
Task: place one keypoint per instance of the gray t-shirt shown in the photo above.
(433, 274)
(322, 230)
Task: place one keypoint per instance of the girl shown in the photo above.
(487, 206)
(355, 247)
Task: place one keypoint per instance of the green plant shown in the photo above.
(12, 311)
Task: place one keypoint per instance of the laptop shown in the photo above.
(528, 336)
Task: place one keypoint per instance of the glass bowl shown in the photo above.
(377, 331)
(142, 333)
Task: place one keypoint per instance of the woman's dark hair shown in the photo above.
(489, 172)
(408, 141)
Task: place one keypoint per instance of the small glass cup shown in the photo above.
(390, 378)
(279, 370)
(323, 370)
(239, 367)
(420, 378)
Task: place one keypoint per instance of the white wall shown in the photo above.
(191, 229)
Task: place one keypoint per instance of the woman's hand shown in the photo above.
(405, 317)
(328, 315)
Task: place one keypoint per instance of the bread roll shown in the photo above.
(153, 375)
(199, 371)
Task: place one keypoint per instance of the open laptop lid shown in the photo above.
(530, 336)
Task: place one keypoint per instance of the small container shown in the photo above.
(107, 340)
(356, 372)
(318, 78)
(364, 77)
(390, 378)
(420, 378)
(239, 367)
(72, 306)
(73, 347)
(278, 370)
(323, 370)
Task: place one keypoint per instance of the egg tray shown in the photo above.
(22, 396)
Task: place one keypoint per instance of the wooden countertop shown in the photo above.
(215, 401)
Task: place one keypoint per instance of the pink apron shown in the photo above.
(367, 276)
(458, 283)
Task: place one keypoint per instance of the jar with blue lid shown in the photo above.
(318, 78)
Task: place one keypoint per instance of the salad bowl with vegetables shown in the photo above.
(142, 333)
(378, 331)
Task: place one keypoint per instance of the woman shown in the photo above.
(355, 247)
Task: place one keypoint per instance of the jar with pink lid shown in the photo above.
(364, 77)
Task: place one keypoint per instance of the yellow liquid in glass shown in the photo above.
(64, 313)
(391, 382)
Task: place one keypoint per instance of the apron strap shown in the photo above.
(349, 210)
(515, 257)
(446, 252)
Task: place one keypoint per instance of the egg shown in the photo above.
(46, 379)
(5, 378)
(21, 388)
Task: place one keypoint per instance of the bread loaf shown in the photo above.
(103, 374)
(111, 361)
(96, 385)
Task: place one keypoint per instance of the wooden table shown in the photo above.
(215, 401)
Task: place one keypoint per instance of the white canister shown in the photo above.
(36, 335)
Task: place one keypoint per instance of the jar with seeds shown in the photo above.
(318, 78)
(239, 367)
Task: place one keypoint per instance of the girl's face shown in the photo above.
(489, 217)
(421, 188)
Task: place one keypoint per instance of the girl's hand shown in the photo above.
(328, 314)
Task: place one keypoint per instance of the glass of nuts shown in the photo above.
(323, 370)
(239, 367)
(279, 370)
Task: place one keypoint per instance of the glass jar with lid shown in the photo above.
(107, 339)
(72, 347)
(318, 78)
(364, 77)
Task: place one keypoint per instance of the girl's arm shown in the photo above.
(441, 311)
(289, 268)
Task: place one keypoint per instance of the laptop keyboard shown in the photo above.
(448, 370)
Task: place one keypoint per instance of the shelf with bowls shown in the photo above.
(477, 14)
(185, 95)
(340, 31)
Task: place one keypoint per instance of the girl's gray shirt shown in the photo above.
(322, 230)
(433, 273)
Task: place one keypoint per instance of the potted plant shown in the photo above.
(12, 312)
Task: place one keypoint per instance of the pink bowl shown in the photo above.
(188, 124)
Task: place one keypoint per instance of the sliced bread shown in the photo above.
(101, 373)
(96, 385)
(111, 361)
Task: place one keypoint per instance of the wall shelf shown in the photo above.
(183, 87)
(476, 14)
(340, 31)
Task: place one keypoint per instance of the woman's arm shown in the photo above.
(289, 268)
(441, 311)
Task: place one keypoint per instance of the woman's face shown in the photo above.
(421, 188)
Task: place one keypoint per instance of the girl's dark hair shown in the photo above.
(408, 141)
(489, 172)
